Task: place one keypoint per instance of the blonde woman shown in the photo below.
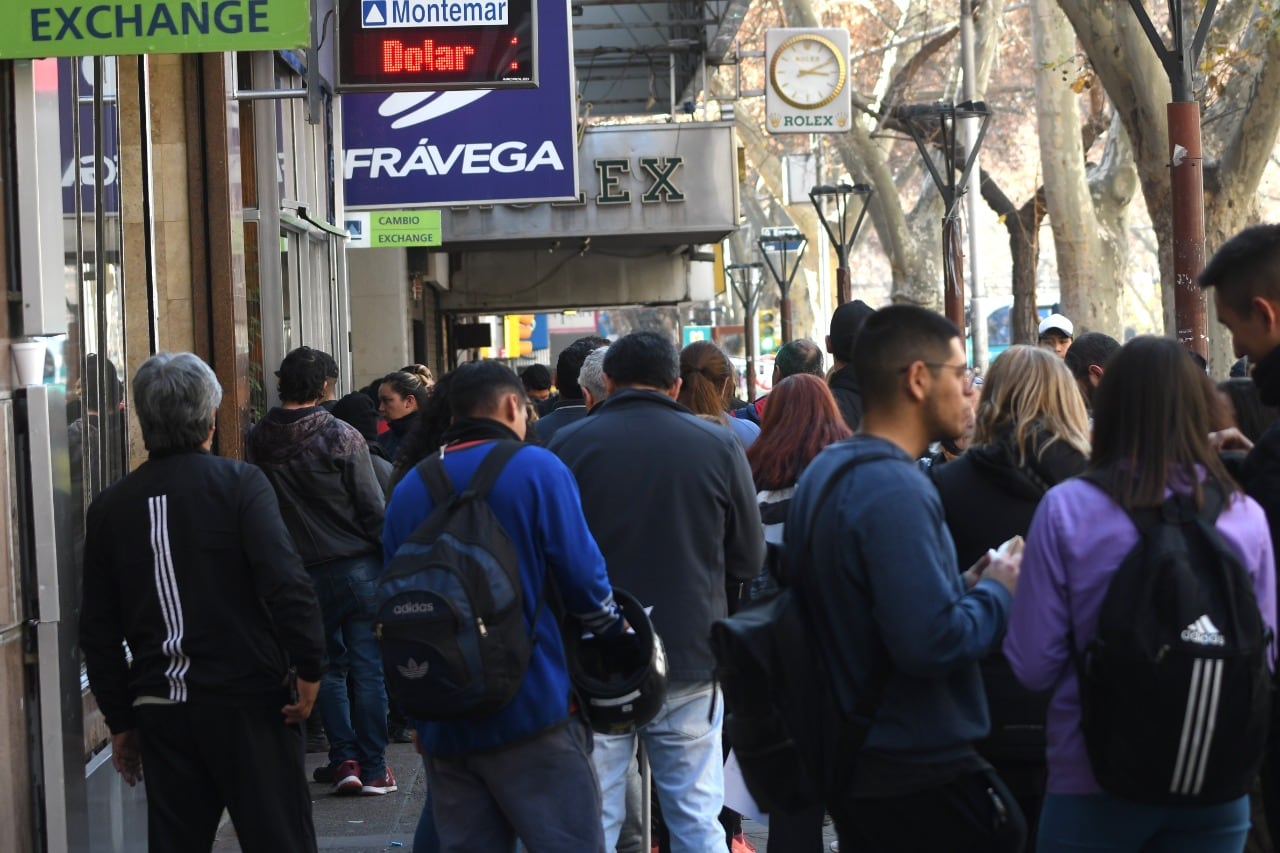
(1031, 432)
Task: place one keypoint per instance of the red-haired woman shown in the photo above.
(800, 420)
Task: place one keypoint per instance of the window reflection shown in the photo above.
(90, 358)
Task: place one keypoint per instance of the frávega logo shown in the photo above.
(472, 158)
(413, 607)
(410, 108)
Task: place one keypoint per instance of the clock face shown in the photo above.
(807, 71)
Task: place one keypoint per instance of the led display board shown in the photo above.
(433, 45)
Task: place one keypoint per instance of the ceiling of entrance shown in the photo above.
(642, 58)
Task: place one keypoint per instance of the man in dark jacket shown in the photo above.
(571, 405)
(798, 356)
(1245, 276)
(333, 506)
(845, 323)
(879, 580)
(1087, 361)
(187, 560)
(669, 498)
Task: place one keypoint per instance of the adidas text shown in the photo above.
(1203, 632)
(415, 607)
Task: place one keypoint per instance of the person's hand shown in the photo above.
(126, 756)
(1229, 439)
(974, 574)
(1004, 569)
(301, 709)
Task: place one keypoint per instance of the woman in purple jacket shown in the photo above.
(1151, 418)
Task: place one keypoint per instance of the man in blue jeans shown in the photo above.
(329, 496)
(669, 497)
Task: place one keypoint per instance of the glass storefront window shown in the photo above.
(91, 356)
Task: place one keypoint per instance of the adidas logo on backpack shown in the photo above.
(1204, 633)
(1175, 693)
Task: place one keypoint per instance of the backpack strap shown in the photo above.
(1177, 508)
(436, 478)
(858, 725)
(491, 467)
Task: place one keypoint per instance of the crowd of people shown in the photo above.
(891, 489)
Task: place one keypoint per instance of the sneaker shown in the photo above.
(384, 784)
(324, 774)
(346, 778)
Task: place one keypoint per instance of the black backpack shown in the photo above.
(793, 743)
(450, 605)
(1175, 693)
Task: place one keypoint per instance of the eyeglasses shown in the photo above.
(972, 379)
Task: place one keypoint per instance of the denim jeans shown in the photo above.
(1106, 824)
(682, 744)
(353, 696)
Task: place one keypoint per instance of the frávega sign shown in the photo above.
(32, 29)
(423, 149)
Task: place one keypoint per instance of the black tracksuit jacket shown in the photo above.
(188, 561)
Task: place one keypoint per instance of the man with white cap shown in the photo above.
(1056, 333)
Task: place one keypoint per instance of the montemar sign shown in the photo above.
(31, 29)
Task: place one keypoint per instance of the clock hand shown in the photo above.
(817, 69)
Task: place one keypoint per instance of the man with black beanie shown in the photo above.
(845, 324)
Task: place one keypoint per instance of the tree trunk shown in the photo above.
(1083, 291)
(1112, 185)
(1023, 225)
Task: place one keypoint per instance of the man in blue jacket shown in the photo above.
(879, 578)
(526, 770)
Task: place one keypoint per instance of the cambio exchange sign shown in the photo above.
(468, 147)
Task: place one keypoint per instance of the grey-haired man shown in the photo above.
(188, 561)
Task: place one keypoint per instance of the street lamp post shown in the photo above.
(746, 282)
(934, 126)
(1186, 168)
(841, 237)
(781, 242)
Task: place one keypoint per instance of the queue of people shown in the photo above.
(1092, 495)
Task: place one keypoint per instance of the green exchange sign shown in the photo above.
(31, 29)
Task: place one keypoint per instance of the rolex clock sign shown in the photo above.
(807, 81)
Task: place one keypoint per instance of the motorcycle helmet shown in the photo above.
(622, 681)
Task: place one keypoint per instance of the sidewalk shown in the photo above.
(385, 824)
(360, 824)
